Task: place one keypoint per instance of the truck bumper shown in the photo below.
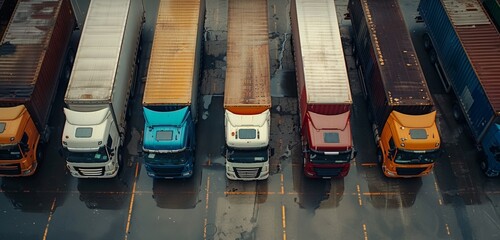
(15, 169)
(92, 171)
(169, 171)
(247, 171)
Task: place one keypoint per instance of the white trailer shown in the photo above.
(99, 88)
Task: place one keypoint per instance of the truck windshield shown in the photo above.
(247, 156)
(406, 157)
(166, 158)
(342, 157)
(87, 157)
(10, 152)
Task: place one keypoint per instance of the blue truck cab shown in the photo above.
(491, 149)
(169, 142)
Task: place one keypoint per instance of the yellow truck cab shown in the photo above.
(19, 139)
(409, 144)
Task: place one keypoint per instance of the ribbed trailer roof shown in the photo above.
(171, 68)
(247, 73)
(96, 61)
(325, 73)
(24, 44)
(481, 42)
(402, 76)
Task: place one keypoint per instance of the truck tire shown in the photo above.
(427, 42)
(379, 155)
(432, 56)
(486, 170)
(39, 153)
(457, 113)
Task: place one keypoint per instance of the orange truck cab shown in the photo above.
(409, 144)
(19, 149)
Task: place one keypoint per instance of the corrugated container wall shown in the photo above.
(469, 50)
(32, 53)
(392, 74)
(247, 84)
(105, 60)
(322, 80)
(175, 56)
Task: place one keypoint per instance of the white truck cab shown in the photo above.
(247, 139)
(91, 144)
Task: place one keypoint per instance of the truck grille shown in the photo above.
(327, 172)
(10, 169)
(90, 171)
(409, 171)
(167, 172)
(242, 172)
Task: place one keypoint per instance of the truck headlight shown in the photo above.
(265, 168)
(229, 169)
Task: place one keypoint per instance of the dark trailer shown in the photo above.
(392, 76)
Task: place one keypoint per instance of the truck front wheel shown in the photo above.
(486, 169)
(39, 153)
(427, 42)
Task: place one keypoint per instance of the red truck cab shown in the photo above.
(328, 148)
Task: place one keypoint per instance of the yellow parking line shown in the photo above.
(283, 219)
(365, 232)
(131, 201)
(206, 209)
(249, 193)
(359, 195)
(282, 185)
(50, 218)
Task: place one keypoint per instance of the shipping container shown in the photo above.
(464, 45)
(32, 55)
(174, 68)
(467, 44)
(393, 78)
(247, 84)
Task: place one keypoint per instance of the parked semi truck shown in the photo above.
(493, 8)
(323, 89)
(170, 96)
(33, 54)
(99, 88)
(463, 44)
(402, 109)
(247, 94)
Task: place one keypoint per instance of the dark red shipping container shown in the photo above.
(32, 54)
(392, 74)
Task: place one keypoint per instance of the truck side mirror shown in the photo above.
(354, 154)
(391, 152)
(271, 152)
(223, 151)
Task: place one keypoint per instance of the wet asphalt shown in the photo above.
(456, 201)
